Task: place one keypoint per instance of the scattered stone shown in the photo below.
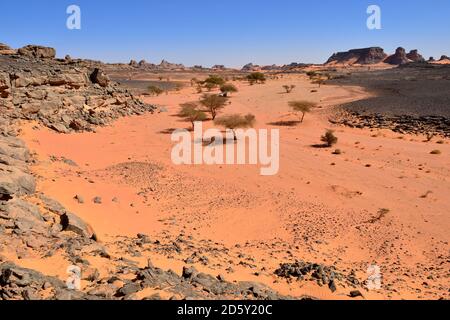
(79, 198)
(97, 200)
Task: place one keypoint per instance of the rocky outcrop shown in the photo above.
(414, 56)
(6, 50)
(398, 58)
(250, 67)
(38, 52)
(444, 57)
(99, 78)
(370, 55)
(62, 95)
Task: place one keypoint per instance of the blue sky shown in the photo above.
(228, 32)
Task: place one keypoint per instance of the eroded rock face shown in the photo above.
(398, 58)
(6, 50)
(370, 55)
(38, 52)
(414, 56)
(64, 95)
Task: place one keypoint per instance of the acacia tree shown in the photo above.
(191, 113)
(302, 106)
(235, 121)
(228, 88)
(213, 103)
(256, 77)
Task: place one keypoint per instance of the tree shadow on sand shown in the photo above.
(291, 123)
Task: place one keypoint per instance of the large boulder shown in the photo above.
(14, 181)
(38, 52)
(370, 55)
(71, 222)
(398, 58)
(99, 77)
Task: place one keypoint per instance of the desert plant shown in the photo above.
(154, 90)
(214, 80)
(302, 107)
(210, 86)
(228, 88)
(311, 74)
(436, 152)
(319, 81)
(289, 88)
(213, 103)
(430, 136)
(235, 121)
(191, 113)
(329, 138)
(256, 77)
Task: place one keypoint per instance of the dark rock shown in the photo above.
(99, 77)
(355, 293)
(414, 56)
(71, 222)
(129, 289)
(398, 58)
(359, 56)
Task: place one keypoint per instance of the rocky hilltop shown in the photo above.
(358, 56)
(65, 95)
(374, 55)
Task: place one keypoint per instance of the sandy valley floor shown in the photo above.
(383, 201)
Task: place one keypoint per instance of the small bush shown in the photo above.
(228, 88)
(154, 90)
(436, 152)
(289, 88)
(256, 77)
(329, 138)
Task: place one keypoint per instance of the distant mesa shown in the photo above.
(370, 55)
(218, 67)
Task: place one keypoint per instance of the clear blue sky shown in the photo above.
(231, 32)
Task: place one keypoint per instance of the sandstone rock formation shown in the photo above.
(414, 56)
(38, 52)
(358, 56)
(62, 95)
(398, 58)
(6, 50)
